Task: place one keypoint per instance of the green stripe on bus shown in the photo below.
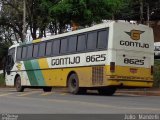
(30, 73)
(38, 73)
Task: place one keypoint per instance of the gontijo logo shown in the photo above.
(135, 34)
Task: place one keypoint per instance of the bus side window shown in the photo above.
(24, 52)
(19, 53)
(48, 48)
(92, 40)
(35, 50)
(72, 44)
(63, 48)
(29, 51)
(102, 39)
(42, 48)
(56, 47)
(81, 43)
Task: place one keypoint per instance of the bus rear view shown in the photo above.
(132, 58)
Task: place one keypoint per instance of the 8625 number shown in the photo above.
(133, 61)
(96, 58)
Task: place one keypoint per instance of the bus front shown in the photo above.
(132, 56)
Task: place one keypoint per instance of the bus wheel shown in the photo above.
(18, 85)
(47, 89)
(109, 91)
(73, 84)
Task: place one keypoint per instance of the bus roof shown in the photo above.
(95, 27)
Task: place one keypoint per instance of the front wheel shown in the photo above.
(18, 85)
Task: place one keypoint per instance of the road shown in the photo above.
(56, 102)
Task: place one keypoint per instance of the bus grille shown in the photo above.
(97, 75)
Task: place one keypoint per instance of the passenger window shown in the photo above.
(35, 50)
(63, 45)
(48, 48)
(56, 46)
(92, 40)
(72, 43)
(24, 52)
(102, 39)
(19, 53)
(81, 43)
(29, 51)
(42, 48)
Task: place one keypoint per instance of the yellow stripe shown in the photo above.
(47, 74)
(125, 71)
(135, 79)
(37, 40)
(58, 77)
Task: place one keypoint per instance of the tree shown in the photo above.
(37, 17)
(11, 16)
(131, 10)
(82, 12)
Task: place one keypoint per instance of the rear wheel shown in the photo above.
(18, 85)
(73, 85)
(109, 91)
(47, 89)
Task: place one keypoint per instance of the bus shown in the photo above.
(103, 57)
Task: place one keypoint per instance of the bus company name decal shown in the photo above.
(134, 44)
(66, 60)
(78, 59)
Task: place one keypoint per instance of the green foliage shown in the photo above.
(83, 12)
(156, 73)
(115, 6)
(3, 49)
(131, 10)
(55, 14)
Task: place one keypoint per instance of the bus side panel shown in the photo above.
(58, 76)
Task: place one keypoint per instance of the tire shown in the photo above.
(18, 85)
(109, 91)
(47, 89)
(73, 84)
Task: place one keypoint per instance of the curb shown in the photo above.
(147, 92)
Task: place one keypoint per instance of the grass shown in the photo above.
(156, 74)
(2, 81)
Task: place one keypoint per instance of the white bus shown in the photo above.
(103, 57)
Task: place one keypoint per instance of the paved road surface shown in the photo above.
(36, 102)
